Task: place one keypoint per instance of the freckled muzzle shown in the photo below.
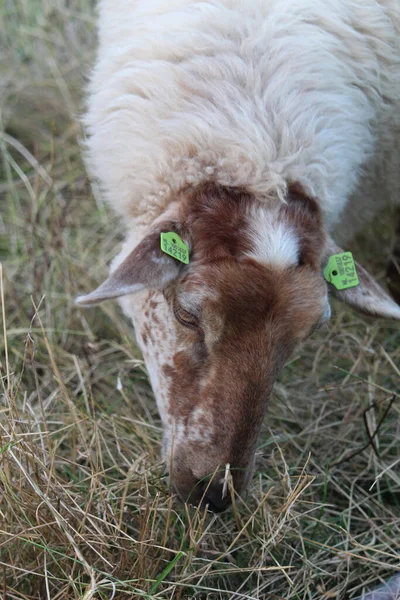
(210, 494)
(215, 489)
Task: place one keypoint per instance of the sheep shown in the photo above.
(251, 131)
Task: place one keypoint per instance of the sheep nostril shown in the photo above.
(209, 495)
(215, 498)
(216, 508)
(197, 492)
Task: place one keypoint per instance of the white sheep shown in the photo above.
(251, 129)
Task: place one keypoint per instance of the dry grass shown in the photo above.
(85, 510)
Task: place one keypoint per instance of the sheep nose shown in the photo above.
(216, 499)
(213, 495)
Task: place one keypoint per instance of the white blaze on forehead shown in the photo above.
(274, 240)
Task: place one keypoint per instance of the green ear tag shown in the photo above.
(174, 246)
(341, 271)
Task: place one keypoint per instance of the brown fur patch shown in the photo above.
(215, 218)
(304, 213)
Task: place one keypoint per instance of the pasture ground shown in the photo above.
(85, 510)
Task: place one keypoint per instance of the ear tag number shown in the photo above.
(174, 246)
(341, 271)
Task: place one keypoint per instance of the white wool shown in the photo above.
(273, 241)
(253, 93)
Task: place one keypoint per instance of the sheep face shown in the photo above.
(214, 342)
(215, 333)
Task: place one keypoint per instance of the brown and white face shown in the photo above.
(216, 333)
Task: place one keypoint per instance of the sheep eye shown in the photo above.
(184, 317)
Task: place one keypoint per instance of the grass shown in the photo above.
(85, 509)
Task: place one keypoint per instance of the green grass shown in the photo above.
(85, 509)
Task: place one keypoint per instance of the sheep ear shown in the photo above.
(368, 297)
(146, 267)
